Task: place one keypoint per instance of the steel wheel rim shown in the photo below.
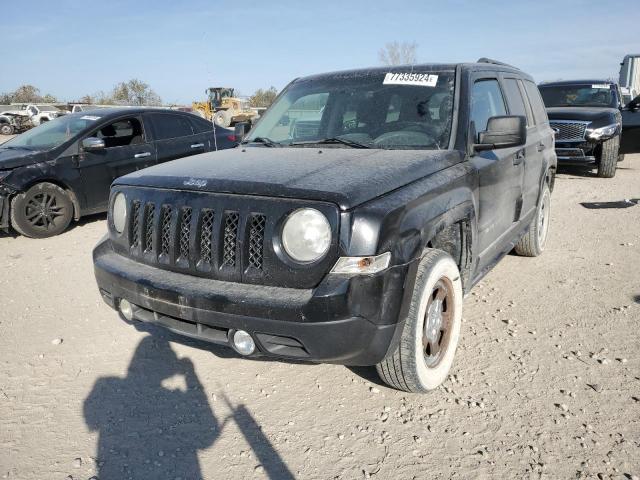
(42, 211)
(543, 221)
(438, 322)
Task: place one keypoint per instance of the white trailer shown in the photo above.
(630, 77)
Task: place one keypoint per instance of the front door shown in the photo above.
(126, 150)
(500, 174)
(630, 141)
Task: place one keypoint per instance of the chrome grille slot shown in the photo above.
(185, 233)
(165, 229)
(149, 211)
(230, 239)
(569, 131)
(257, 225)
(206, 236)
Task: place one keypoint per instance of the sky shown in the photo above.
(71, 48)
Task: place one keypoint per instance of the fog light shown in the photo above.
(243, 343)
(126, 309)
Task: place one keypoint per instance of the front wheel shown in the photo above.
(609, 158)
(6, 129)
(534, 241)
(423, 357)
(42, 211)
(222, 118)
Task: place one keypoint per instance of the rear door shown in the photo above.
(175, 137)
(500, 173)
(127, 149)
(630, 141)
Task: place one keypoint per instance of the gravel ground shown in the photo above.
(546, 382)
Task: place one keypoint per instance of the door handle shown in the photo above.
(197, 145)
(518, 158)
(142, 155)
(541, 147)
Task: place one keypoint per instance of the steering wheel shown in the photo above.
(404, 137)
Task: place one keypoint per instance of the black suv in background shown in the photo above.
(348, 226)
(592, 126)
(62, 169)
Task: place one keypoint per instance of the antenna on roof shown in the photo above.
(495, 62)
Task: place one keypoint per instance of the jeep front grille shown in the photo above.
(230, 239)
(149, 211)
(569, 131)
(256, 240)
(165, 229)
(206, 236)
(185, 232)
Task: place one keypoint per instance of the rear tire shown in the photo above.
(42, 211)
(534, 241)
(222, 118)
(423, 357)
(609, 158)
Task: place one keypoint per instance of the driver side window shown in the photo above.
(486, 102)
(121, 133)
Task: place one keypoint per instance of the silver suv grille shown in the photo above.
(568, 131)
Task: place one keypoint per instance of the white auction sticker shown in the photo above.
(601, 85)
(90, 117)
(418, 79)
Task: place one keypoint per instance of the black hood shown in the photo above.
(346, 177)
(587, 114)
(10, 158)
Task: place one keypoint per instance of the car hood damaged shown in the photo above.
(345, 177)
(13, 158)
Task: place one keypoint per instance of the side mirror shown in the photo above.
(503, 132)
(634, 105)
(93, 144)
(241, 130)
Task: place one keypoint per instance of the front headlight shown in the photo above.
(602, 132)
(306, 235)
(119, 212)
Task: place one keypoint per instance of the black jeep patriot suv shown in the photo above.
(348, 226)
(591, 125)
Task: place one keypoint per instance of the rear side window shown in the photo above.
(539, 112)
(514, 98)
(200, 125)
(486, 102)
(167, 126)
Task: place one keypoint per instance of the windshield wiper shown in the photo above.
(12, 147)
(267, 142)
(334, 140)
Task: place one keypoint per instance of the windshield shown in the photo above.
(391, 110)
(51, 134)
(587, 95)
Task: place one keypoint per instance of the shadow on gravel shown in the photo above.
(636, 298)
(621, 204)
(153, 422)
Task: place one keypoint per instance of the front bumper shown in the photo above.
(571, 153)
(344, 320)
(4, 212)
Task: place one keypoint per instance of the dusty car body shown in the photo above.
(62, 170)
(351, 240)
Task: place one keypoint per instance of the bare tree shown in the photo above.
(134, 92)
(28, 94)
(395, 53)
(263, 98)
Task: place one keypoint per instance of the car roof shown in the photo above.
(577, 82)
(447, 67)
(117, 111)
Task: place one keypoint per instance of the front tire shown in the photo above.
(42, 211)
(423, 357)
(609, 158)
(6, 129)
(222, 118)
(534, 241)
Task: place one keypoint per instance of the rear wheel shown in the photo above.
(423, 357)
(222, 118)
(534, 241)
(42, 211)
(609, 158)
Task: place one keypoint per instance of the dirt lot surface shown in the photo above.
(546, 382)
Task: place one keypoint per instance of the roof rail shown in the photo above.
(495, 62)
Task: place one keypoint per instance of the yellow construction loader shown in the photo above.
(223, 108)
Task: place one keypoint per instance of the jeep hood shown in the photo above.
(346, 177)
(587, 114)
(10, 158)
